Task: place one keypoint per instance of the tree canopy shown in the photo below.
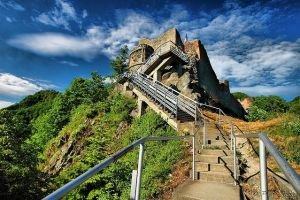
(119, 64)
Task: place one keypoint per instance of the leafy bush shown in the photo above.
(271, 104)
(295, 105)
(288, 133)
(106, 138)
(256, 113)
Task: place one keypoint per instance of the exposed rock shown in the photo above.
(122, 126)
(166, 76)
(183, 81)
(172, 80)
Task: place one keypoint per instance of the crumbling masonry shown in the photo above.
(187, 69)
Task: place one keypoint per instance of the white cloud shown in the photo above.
(84, 13)
(236, 53)
(69, 63)
(11, 85)
(108, 80)
(11, 5)
(4, 104)
(55, 44)
(289, 90)
(8, 19)
(60, 16)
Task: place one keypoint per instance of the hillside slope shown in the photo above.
(50, 138)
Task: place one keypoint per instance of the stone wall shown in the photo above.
(138, 56)
(219, 93)
(192, 48)
(170, 35)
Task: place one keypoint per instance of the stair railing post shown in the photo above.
(193, 167)
(263, 170)
(234, 160)
(219, 117)
(176, 108)
(139, 173)
(231, 138)
(204, 134)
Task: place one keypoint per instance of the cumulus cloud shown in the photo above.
(60, 16)
(4, 104)
(56, 44)
(233, 36)
(69, 63)
(11, 85)
(287, 90)
(11, 5)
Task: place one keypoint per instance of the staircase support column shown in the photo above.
(141, 106)
(139, 173)
(263, 170)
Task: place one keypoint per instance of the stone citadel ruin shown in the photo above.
(187, 71)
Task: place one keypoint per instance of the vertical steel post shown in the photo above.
(231, 137)
(176, 107)
(133, 185)
(263, 170)
(193, 167)
(234, 160)
(139, 173)
(219, 117)
(204, 135)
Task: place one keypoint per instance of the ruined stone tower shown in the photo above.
(187, 70)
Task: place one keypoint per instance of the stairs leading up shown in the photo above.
(213, 169)
(200, 190)
(214, 160)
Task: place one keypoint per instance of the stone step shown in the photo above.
(216, 152)
(217, 177)
(200, 190)
(218, 143)
(202, 166)
(213, 159)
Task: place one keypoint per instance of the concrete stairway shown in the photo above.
(213, 168)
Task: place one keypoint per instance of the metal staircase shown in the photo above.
(161, 52)
(171, 100)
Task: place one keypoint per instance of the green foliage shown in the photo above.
(289, 130)
(106, 138)
(271, 103)
(295, 105)
(266, 107)
(27, 127)
(119, 64)
(240, 95)
(256, 114)
(17, 172)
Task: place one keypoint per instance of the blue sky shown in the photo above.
(45, 44)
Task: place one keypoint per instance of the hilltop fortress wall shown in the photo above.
(195, 79)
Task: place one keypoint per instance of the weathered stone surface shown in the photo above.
(195, 79)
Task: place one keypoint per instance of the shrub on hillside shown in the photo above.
(256, 114)
(271, 103)
(295, 105)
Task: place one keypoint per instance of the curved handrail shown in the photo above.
(288, 171)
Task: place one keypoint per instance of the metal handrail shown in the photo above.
(62, 191)
(157, 53)
(293, 178)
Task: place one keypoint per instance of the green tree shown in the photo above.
(119, 64)
(240, 95)
(272, 104)
(295, 105)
